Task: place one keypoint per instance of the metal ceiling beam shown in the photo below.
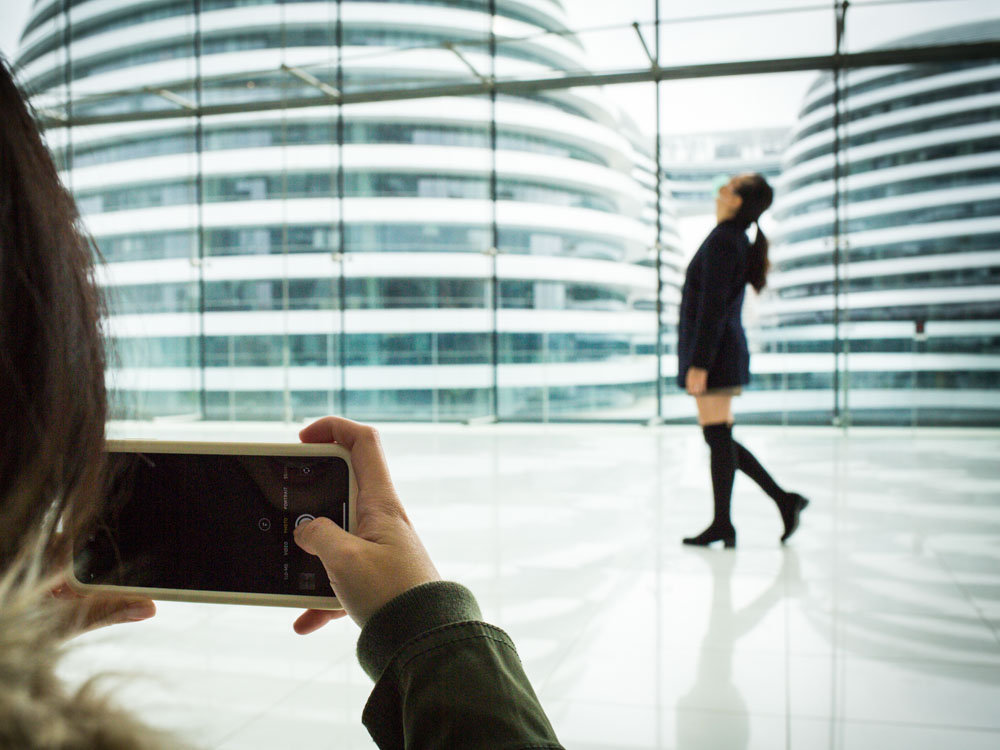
(171, 97)
(465, 61)
(645, 47)
(312, 80)
(885, 57)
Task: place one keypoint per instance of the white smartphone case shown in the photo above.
(232, 449)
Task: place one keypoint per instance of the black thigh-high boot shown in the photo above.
(723, 462)
(790, 504)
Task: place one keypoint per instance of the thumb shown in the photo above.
(323, 538)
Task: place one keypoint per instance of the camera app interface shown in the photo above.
(213, 523)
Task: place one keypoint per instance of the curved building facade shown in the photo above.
(913, 309)
(395, 259)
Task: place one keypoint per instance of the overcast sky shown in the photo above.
(710, 104)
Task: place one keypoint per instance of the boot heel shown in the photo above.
(711, 535)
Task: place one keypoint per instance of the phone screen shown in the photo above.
(213, 523)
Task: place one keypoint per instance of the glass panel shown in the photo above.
(918, 23)
(136, 185)
(734, 30)
(418, 322)
(441, 43)
(417, 273)
(108, 63)
(921, 271)
(273, 293)
(43, 69)
(138, 197)
(273, 275)
(703, 145)
(576, 214)
(579, 37)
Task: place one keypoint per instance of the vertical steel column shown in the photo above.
(843, 270)
(657, 502)
(286, 353)
(659, 220)
(654, 69)
(68, 157)
(840, 12)
(494, 228)
(200, 206)
(341, 226)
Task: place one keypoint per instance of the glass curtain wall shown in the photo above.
(920, 267)
(418, 215)
(423, 210)
(274, 297)
(576, 217)
(418, 268)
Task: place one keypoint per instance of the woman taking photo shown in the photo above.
(713, 360)
(442, 677)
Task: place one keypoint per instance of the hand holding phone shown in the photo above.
(384, 557)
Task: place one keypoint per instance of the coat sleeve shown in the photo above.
(718, 276)
(445, 679)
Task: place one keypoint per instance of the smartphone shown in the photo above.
(213, 522)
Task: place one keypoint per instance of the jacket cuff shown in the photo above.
(410, 614)
(703, 354)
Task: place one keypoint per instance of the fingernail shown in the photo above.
(140, 611)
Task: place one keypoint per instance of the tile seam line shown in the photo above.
(788, 668)
(918, 725)
(982, 615)
(266, 710)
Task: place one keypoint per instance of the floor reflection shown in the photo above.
(877, 626)
(714, 684)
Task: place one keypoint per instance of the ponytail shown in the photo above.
(758, 264)
(757, 196)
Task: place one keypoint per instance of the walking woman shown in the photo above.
(713, 360)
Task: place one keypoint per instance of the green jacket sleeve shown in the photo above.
(444, 679)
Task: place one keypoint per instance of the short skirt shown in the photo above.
(730, 390)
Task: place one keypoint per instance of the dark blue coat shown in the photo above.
(710, 330)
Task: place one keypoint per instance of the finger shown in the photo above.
(313, 619)
(376, 491)
(336, 429)
(361, 440)
(100, 611)
(322, 537)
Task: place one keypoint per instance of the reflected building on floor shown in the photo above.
(917, 288)
(280, 260)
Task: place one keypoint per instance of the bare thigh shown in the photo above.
(715, 408)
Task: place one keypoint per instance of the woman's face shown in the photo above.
(728, 201)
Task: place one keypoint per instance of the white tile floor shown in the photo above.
(877, 626)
